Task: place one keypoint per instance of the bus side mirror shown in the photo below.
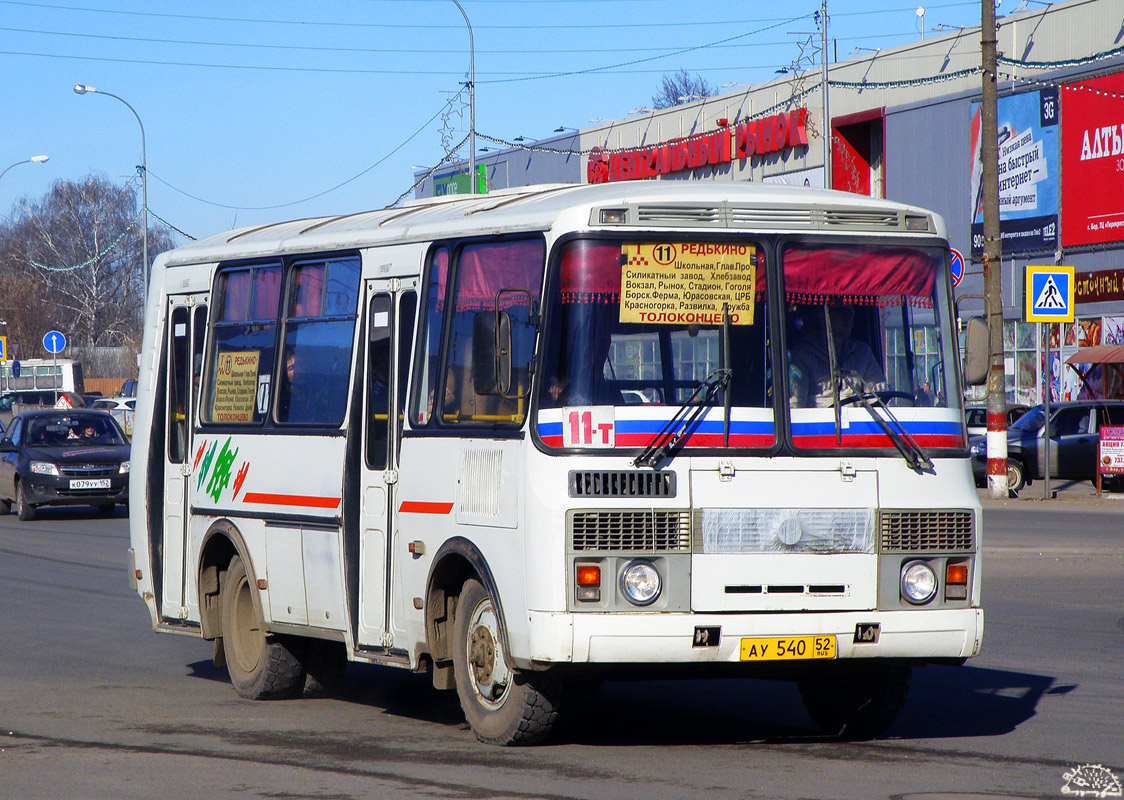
(491, 353)
(975, 351)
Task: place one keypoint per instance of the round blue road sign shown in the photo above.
(54, 342)
(957, 267)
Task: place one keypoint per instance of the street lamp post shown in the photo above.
(32, 160)
(80, 88)
(471, 104)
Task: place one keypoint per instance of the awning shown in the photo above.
(1098, 354)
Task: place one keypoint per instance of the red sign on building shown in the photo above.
(1093, 161)
(757, 137)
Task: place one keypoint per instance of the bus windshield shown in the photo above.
(634, 327)
(641, 325)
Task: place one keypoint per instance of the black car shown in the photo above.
(58, 457)
(976, 416)
(1074, 440)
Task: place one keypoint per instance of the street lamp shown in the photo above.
(80, 88)
(32, 160)
(471, 103)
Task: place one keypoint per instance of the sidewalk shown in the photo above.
(1066, 495)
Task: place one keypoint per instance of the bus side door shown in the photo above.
(390, 307)
(185, 336)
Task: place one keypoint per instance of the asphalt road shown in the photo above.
(95, 705)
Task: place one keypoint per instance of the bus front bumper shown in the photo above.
(675, 638)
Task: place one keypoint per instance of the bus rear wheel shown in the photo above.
(261, 666)
(857, 701)
(502, 706)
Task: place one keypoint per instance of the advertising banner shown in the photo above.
(1028, 172)
(1111, 461)
(1093, 160)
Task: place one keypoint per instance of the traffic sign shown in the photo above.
(54, 342)
(3, 348)
(16, 369)
(956, 265)
(1049, 294)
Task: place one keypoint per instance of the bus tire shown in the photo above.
(324, 664)
(261, 665)
(502, 706)
(857, 701)
(24, 509)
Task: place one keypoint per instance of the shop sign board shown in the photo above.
(771, 134)
(1093, 161)
(1111, 457)
(1028, 172)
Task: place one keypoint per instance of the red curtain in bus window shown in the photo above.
(267, 292)
(235, 296)
(484, 269)
(882, 276)
(308, 290)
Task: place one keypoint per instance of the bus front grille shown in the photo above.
(923, 531)
(639, 530)
(608, 483)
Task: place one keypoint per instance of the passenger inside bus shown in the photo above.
(578, 377)
(810, 361)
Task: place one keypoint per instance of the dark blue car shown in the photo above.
(63, 457)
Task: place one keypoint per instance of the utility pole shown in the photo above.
(993, 260)
(826, 112)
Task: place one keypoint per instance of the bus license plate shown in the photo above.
(787, 648)
(90, 483)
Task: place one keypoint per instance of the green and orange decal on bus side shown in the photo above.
(218, 479)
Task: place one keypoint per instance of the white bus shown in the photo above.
(561, 434)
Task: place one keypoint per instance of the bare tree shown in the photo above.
(681, 87)
(72, 261)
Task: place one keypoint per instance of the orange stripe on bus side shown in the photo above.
(417, 507)
(304, 501)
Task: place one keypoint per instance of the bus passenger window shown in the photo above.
(317, 349)
(241, 362)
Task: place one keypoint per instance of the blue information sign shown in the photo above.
(16, 369)
(54, 342)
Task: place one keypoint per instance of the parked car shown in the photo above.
(63, 457)
(1073, 443)
(976, 415)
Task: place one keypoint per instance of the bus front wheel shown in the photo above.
(502, 706)
(261, 666)
(858, 701)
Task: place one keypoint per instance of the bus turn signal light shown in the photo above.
(956, 574)
(588, 580)
(956, 581)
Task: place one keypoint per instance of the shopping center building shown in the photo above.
(904, 125)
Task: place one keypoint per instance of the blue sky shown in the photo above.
(257, 111)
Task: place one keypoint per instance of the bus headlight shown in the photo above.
(919, 582)
(641, 583)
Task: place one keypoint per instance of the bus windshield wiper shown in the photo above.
(685, 419)
(910, 450)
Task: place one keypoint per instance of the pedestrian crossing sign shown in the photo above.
(1049, 294)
